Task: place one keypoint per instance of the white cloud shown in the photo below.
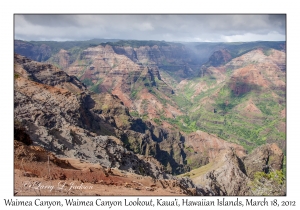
(146, 27)
(151, 27)
(271, 36)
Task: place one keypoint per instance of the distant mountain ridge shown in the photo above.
(150, 76)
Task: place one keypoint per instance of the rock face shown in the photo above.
(46, 74)
(62, 116)
(169, 56)
(231, 174)
(63, 58)
(226, 176)
(202, 148)
(266, 158)
(58, 114)
(60, 120)
(219, 57)
(261, 72)
(135, 84)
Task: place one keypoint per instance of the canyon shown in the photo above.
(151, 117)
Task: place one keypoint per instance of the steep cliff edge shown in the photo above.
(259, 173)
(62, 116)
(53, 108)
(266, 158)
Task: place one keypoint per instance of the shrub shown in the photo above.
(272, 183)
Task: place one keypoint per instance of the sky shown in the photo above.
(167, 27)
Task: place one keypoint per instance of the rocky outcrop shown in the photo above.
(232, 174)
(203, 148)
(104, 70)
(66, 123)
(257, 71)
(160, 54)
(254, 70)
(187, 186)
(60, 121)
(46, 74)
(63, 59)
(225, 175)
(108, 153)
(175, 58)
(62, 116)
(219, 57)
(265, 158)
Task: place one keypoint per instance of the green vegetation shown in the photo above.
(267, 51)
(182, 122)
(131, 143)
(134, 93)
(218, 110)
(166, 63)
(75, 53)
(124, 119)
(95, 87)
(187, 175)
(16, 75)
(272, 183)
(87, 82)
(276, 176)
(157, 121)
(181, 101)
(135, 90)
(198, 171)
(134, 114)
(159, 96)
(284, 167)
(190, 149)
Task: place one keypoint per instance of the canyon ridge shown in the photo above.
(135, 117)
